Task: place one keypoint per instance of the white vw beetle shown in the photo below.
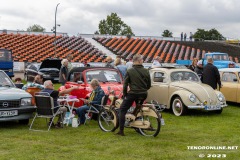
(181, 89)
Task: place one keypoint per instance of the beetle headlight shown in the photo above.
(26, 102)
(221, 97)
(192, 98)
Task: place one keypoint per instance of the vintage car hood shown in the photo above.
(51, 63)
(8, 93)
(49, 70)
(201, 91)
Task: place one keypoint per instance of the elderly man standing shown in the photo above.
(63, 72)
(211, 74)
(55, 94)
(199, 69)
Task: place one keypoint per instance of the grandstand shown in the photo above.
(32, 47)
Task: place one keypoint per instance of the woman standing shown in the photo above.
(193, 65)
(63, 72)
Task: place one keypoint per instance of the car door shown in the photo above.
(238, 87)
(230, 86)
(159, 88)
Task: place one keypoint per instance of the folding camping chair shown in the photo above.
(94, 109)
(45, 109)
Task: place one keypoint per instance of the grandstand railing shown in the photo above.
(31, 33)
(135, 37)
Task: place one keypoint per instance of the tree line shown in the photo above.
(114, 25)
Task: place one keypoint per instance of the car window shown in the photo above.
(219, 57)
(184, 76)
(229, 77)
(159, 77)
(103, 76)
(5, 81)
(76, 76)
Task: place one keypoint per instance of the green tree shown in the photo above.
(36, 28)
(167, 33)
(212, 34)
(113, 25)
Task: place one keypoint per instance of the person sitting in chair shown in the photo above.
(94, 99)
(55, 94)
(34, 82)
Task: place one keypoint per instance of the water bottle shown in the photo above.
(162, 122)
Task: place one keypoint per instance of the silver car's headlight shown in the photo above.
(221, 97)
(192, 98)
(26, 102)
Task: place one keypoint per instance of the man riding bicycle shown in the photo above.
(138, 80)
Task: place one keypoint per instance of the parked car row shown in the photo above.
(49, 68)
(176, 88)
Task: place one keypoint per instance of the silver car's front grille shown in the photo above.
(9, 103)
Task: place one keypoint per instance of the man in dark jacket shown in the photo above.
(211, 75)
(138, 80)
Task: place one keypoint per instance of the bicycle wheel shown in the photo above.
(155, 123)
(108, 120)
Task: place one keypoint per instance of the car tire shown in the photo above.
(178, 107)
(24, 121)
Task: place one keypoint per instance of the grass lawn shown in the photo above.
(88, 142)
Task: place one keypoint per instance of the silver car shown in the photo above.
(15, 104)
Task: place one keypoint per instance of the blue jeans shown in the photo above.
(81, 111)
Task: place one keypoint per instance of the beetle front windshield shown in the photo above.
(103, 76)
(5, 80)
(184, 76)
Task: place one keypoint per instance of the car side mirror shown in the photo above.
(80, 82)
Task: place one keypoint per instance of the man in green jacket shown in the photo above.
(138, 80)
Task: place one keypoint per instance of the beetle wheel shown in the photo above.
(178, 107)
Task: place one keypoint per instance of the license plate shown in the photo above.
(56, 79)
(209, 108)
(8, 113)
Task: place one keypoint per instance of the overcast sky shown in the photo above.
(145, 17)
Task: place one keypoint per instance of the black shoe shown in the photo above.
(120, 133)
(59, 125)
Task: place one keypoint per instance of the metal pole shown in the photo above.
(55, 31)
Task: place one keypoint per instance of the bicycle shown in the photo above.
(145, 119)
